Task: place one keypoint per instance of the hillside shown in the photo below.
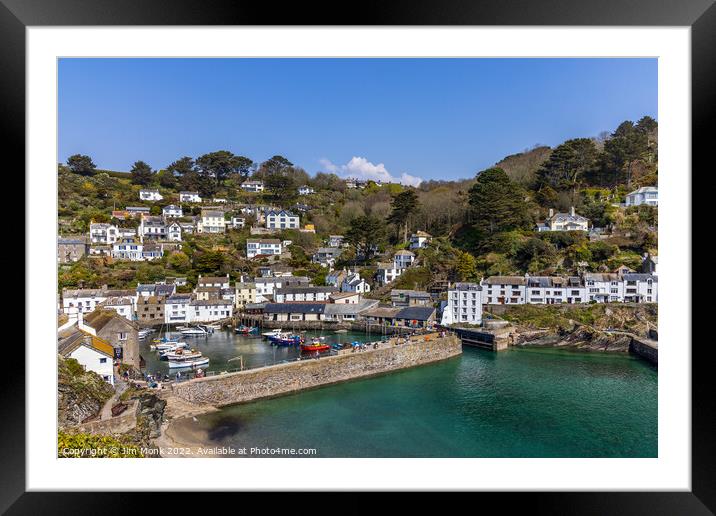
(522, 167)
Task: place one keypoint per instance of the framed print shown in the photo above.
(417, 253)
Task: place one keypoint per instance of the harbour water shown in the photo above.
(517, 403)
(223, 345)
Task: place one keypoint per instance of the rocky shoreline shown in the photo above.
(582, 338)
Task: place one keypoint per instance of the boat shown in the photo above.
(273, 333)
(194, 332)
(341, 331)
(317, 344)
(286, 339)
(180, 354)
(246, 330)
(170, 346)
(193, 363)
(143, 334)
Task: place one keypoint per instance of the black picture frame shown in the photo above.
(700, 15)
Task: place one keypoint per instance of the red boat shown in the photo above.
(315, 345)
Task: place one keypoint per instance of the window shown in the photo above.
(102, 360)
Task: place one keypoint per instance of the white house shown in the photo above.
(91, 352)
(172, 211)
(403, 259)
(420, 240)
(189, 197)
(262, 247)
(640, 288)
(281, 220)
(253, 186)
(212, 221)
(464, 304)
(83, 300)
(305, 190)
(177, 309)
(564, 222)
(603, 288)
(103, 233)
(150, 195)
(354, 283)
(213, 281)
(174, 232)
(387, 272)
(504, 290)
(552, 290)
(137, 211)
(152, 228)
(302, 293)
(211, 310)
(123, 305)
(238, 222)
(648, 195)
(128, 249)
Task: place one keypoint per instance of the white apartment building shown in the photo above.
(504, 290)
(464, 304)
(212, 221)
(564, 222)
(152, 228)
(305, 190)
(282, 220)
(83, 300)
(238, 222)
(211, 310)
(640, 288)
(253, 186)
(131, 249)
(326, 256)
(387, 272)
(189, 197)
(603, 288)
(335, 240)
(150, 195)
(103, 233)
(172, 211)
(123, 305)
(648, 195)
(91, 352)
(291, 294)
(177, 309)
(554, 290)
(262, 247)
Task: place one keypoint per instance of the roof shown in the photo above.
(409, 293)
(178, 298)
(281, 212)
(263, 241)
(212, 213)
(304, 308)
(505, 280)
(381, 311)
(189, 193)
(567, 217)
(636, 276)
(117, 300)
(213, 279)
(350, 308)
(404, 252)
(136, 208)
(304, 289)
(418, 313)
(422, 234)
(598, 276)
(645, 189)
(80, 338)
(329, 250)
(466, 286)
(211, 302)
(100, 318)
(82, 292)
(71, 241)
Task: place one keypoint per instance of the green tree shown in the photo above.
(366, 233)
(403, 206)
(167, 179)
(141, 173)
(623, 149)
(497, 203)
(220, 165)
(184, 169)
(567, 165)
(465, 266)
(81, 164)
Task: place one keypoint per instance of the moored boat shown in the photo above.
(193, 363)
(194, 332)
(180, 354)
(273, 333)
(286, 339)
(246, 330)
(316, 345)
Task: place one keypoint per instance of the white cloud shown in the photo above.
(361, 168)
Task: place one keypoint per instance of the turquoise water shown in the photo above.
(223, 345)
(517, 403)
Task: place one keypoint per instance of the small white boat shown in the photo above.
(193, 363)
(273, 333)
(194, 332)
(180, 354)
(164, 348)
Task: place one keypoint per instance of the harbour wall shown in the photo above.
(645, 348)
(271, 381)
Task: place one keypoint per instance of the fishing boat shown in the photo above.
(246, 330)
(192, 362)
(317, 344)
(143, 334)
(286, 339)
(180, 354)
(273, 333)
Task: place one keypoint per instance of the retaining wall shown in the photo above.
(280, 379)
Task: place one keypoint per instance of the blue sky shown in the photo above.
(406, 118)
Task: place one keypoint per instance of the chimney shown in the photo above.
(571, 211)
(551, 213)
